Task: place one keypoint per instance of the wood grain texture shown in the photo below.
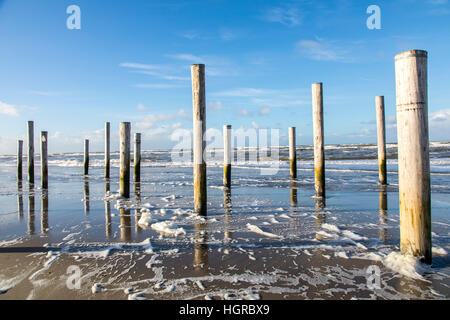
(124, 184)
(199, 144)
(107, 150)
(292, 153)
(30, 136)
(319, 154)
(381, 139)
(413, 153)
(44, 159)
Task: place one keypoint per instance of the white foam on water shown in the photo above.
(257, 230)
(167, 228)
(330, 227)
(439, 251)
(406, 265)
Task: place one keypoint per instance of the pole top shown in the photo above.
(412, 53)
(227, 126)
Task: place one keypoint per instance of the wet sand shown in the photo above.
(307, 250)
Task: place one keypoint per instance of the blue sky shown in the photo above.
(131, 62)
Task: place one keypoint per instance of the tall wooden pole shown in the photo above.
(107, 149)
(227, 156)
(19, 159)
(31, 152)
(137, 157)
(44, 159)
(86, 157)
(199, 119)
(319, 155)
(381, 136)
(125, 132)
(413, 153)
(292, 153)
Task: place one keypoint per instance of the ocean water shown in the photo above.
(269, 237)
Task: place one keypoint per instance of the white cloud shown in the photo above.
(286, 16)
(263, 111)
(141, 107)
(217, 105)
(156, 86)
(135, 65)
(187, 57)
(8, 109)
(321, 50)
(244, 112)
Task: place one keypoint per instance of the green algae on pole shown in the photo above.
(413, 153)
(107, 149)
(137, 157)
(44, 159)
(19, 159)
(292, 153)
(227, 156)
(31, 152)
(319, 154)
(199, 144)
(124, 186)
(381, 139)
(86, 157)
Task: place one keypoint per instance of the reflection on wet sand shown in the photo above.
(383, 214)
(320, 217)
(200, 247)
(137, 212)
(31, 228)
(44, 212)
(20, 199)
(86, 195)
(228, 210)
(125, 225)
(293, 189)
(108, 218)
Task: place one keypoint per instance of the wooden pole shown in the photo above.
(413, 153)
(107, 149)
(293, 189)
(19, 159)
(137, 157)
(86, 157)
(381, 136)
(87, 206)
(125, 131)
(44, 160)
(292, 153)
(199, 119)
(44, 212)
(227, 156)
(319, 156)
(31, 152)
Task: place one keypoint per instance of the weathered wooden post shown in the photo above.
(107, 149)
(87, 206)
(20, 199)
(292, 153)
(44, 160)
(44, 212)
(319, 155)
(125, 131)
(199, 119)
(293, 189)
(413, 153)
(381, 139)
(227, 156)
(137, 157)
(19, 159)
(31, 152)
(86, 157)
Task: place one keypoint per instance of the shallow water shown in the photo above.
(255, 242)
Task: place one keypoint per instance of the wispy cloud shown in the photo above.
(8, 109)
(322, 50)
(216, 105)
(263, 111)
(289, 16)
(159, 71)
(156, 86)
(47, 93)
(135, 65)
